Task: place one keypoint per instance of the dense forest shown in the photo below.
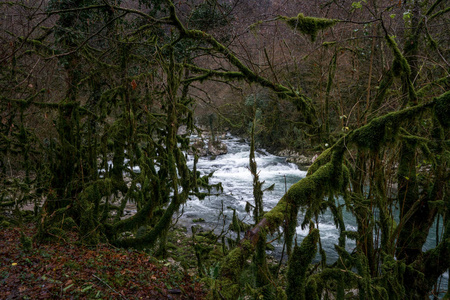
(94, 90)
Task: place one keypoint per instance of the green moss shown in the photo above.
(311, 290)
(443, 81)
(383, 130)
(277, 214)
(238, 225)
(216, 253)
(400, 64)
(210, 236)
(86, 205)
(364, 283)
(330, 178)
(308, 25)
(235, 261)
(229, 290)
(392, 277)
(298, 265)
(401, 68)
(328, 44)
(309, 191)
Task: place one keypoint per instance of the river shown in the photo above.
(232, 171)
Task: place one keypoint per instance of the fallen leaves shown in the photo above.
(65, 270)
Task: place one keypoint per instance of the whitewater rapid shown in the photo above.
(232, 170)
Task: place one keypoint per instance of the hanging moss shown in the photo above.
(308, 25)
(330, 178)
(381, 132)
(237, 225)
(364, 283)
(401, 68)
(277, 214)
(392, 277)
(298, 265)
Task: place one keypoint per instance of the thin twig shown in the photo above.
(88, 39)
(109, 286)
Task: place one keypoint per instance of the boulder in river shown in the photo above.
(296, 158)
(199, 146)
(217, 148)
(212, 148)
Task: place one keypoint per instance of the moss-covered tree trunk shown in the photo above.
(298, 266)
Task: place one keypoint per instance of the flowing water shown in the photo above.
(232, 171)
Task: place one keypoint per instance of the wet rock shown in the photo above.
(300, 160)
(296, 158)
(182, 130)
(212, 148)
(217, 148)
(198, 146)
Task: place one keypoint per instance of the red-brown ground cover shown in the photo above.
(66, 270)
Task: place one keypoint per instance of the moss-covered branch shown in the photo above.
(208, 73)
(308, 25)
(298, 265)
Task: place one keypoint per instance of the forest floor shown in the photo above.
(66, 269)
